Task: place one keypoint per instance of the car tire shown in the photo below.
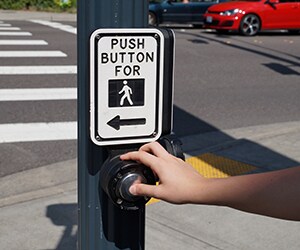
(152, 19)
(294, 32)
(222, 32)
(250, 25)
(198, 26)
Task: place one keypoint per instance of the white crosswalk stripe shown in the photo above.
(12, 33)
(38, 94)
(24, 132)
(35, 131)
(38, 70)
(22, 42)
(9, 28)
(33, 53)
(60, 26)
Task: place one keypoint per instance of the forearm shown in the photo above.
(273, 194)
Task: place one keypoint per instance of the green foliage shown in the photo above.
(54, 5)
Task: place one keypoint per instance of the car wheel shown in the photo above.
(250, 25)
(152, 19)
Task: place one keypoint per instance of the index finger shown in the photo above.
(143, 157)
(156, 149)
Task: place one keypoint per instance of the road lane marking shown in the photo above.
(56, 25)
(29, 132)
(33, 53)
(9, 28)
(38, 70)
(5, 25)
(23, 42)
(12, 33)
(38, 94)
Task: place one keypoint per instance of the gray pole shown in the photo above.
(101, 225)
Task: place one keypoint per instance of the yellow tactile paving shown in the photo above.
(214, 166)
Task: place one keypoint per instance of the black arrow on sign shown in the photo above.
(116, 122)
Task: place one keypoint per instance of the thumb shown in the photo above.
(141, 189)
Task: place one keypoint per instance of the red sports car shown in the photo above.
(249, 17)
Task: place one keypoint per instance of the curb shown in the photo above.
(28, 15)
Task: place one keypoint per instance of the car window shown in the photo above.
(245, 0)
(203, 1)
(179, 1)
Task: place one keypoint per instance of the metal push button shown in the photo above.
(117, 176)
(125, 183)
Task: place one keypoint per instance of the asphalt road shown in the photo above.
(221, 82)
(19, 154)
(234, 81)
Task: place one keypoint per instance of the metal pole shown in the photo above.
(101, 225)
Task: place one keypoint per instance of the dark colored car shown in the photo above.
(178, 11)
(249, 17)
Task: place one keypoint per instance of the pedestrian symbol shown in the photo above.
(126, 93)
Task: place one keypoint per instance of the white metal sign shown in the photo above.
(126, 83)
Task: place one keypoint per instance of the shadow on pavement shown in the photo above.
(281, 69)
(200, 39)
(65, 215)
(185, 124)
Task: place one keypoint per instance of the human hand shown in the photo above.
(272, 193)
(179, 182)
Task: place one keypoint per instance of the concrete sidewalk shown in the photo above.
(38, 207)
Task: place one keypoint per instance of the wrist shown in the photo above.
(210, 191)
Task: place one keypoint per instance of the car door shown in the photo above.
(288, 11)
(284, 14)
(176, 11)
(198, 8)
